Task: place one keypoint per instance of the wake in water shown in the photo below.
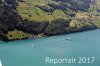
(0, 63)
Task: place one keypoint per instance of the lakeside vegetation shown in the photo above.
(36, 18)
(17, 35)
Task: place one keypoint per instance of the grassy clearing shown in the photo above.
(81, 19)
(27, 10)
(97, 21)
(82, 15)
(17, 35)
(97, 17)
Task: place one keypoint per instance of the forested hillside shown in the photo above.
(47, 10)
(21, 19)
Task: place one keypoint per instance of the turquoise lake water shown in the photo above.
(32, 52)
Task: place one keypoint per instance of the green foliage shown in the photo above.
(57, 26)
(48, 10)
(20, 18)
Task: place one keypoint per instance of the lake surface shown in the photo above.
(32, 52)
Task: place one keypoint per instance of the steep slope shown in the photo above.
(21, 19)
(47, 10)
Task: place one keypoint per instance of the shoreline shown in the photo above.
(23, 25)
(6, 40)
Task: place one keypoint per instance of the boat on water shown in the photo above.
(69, 39)
(0, 63)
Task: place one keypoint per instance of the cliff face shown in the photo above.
(25, 18)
